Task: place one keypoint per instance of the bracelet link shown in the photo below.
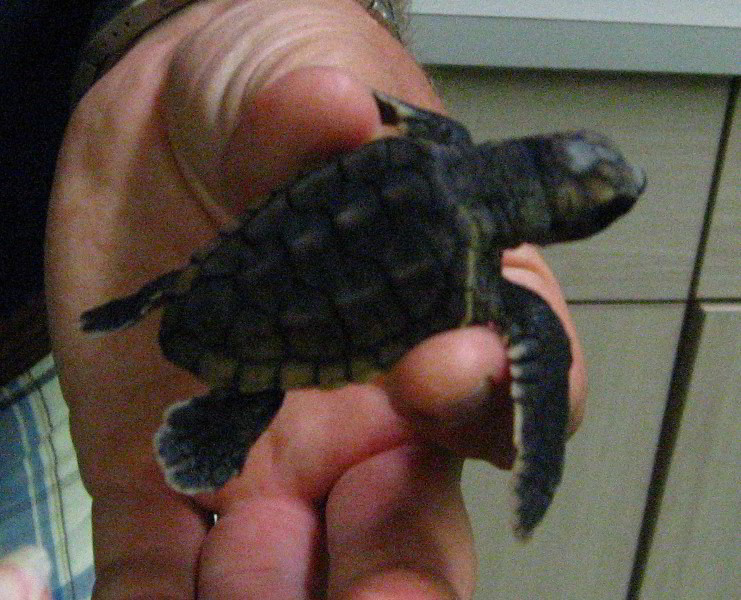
(390, 14)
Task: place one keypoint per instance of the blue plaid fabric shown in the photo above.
(42, 499)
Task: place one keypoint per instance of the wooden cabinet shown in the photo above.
(695, 551)
(630, 289)
(721, 267)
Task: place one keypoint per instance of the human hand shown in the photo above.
(24, 574)
(348, 491)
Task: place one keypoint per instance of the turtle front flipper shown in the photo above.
(419, 123)
(540, 358)
(204, 441)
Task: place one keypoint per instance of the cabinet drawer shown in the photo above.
(670, 125)
(695, 550)
(721, 266)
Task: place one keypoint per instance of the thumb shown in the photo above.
(268, 85)
(303, 118)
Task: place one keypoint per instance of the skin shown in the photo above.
(350, 494)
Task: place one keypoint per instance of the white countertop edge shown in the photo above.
(560, 44)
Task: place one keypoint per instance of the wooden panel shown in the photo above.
(696, 552)
(585, 547)
(721, 267)
(669, 125)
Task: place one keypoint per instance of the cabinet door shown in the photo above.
(721, 266)
(667, 124)
(696, 547)
(585, 546)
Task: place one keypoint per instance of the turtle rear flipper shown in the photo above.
(204, 441)
(123, 312)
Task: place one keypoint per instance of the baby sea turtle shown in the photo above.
(340, 272)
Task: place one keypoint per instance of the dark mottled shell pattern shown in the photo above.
(333, 279)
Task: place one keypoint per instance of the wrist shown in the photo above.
(118, 24)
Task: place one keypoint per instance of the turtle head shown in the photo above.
(566, 186)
